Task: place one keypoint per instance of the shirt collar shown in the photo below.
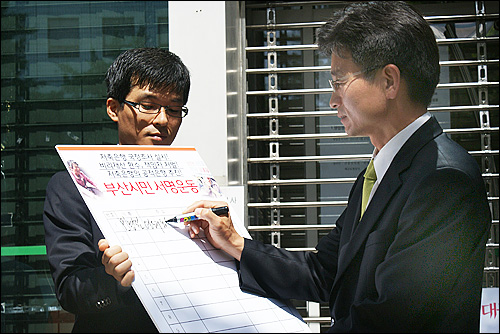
(383, 158)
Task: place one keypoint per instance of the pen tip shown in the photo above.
(171, 220)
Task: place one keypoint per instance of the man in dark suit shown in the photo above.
(147, 91)
(413, 261)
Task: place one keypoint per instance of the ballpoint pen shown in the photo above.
(223, 210)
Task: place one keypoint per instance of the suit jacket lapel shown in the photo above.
(351, 243)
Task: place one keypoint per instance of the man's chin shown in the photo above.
(150, 140)
(158, 141)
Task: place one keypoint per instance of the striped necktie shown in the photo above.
(370, 178)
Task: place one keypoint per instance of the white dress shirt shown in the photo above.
(382, 159)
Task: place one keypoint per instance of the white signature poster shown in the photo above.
(185, 284)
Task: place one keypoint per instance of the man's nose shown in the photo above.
(162, 116)
(335, 100)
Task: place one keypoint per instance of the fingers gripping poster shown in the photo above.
(186, 285)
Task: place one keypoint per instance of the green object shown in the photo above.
(370, 178)
(24, 250)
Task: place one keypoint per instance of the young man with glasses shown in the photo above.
(413, 262)
(147, 92)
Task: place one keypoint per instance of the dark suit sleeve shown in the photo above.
(277, 273)
(71, 236)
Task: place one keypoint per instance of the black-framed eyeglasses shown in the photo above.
(151, 108)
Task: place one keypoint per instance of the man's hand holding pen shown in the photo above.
(219, 230)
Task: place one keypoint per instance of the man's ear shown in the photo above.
(112, 108)
(392, 76)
